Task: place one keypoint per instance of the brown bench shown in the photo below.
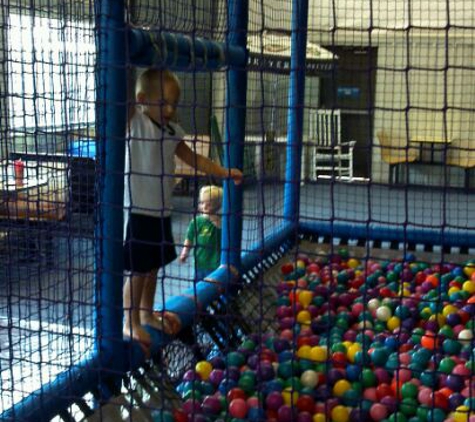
(39, 202)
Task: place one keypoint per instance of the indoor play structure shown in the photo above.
(346, 289)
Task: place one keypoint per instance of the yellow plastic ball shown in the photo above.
(469, 270)
(440, 318)
(469, 286)
(319, 354)
(290, 396)
(305, 298)
(341, 387)
(347, 344)
(300, 264)
(352, 350)
(203, 368)
(449, 309)
(304, 317)
(353, 263)
(340, 414)
(305, 352)
(461, 414)
(404, 293)
(453, 290)
(319, 417)
(393, 323)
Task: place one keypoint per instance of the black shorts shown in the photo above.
(149, 243)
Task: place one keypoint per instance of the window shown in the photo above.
(51, 72)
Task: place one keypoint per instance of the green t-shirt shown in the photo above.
(206, 239)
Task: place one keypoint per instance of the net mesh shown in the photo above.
(364, 313)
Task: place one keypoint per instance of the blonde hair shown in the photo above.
(152, 79)
(214, 193)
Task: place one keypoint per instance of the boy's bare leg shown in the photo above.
(147, 315)
(133, 292)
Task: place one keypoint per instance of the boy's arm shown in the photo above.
(204, 164)
(185, 251)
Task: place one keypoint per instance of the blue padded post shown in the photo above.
(234, 135)
(111, 119)
(296, 108)
(179, 51)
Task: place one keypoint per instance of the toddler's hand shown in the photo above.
(183, 257)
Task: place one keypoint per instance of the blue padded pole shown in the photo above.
(296, 107)
(234, 135)
(179, 51)
(111, 123)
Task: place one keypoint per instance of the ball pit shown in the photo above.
(357, 340)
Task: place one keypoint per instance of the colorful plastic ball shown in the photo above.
(430, 341)
(436, 415)
(408, 406)
(211, 405)
(409, 389)
(368, 378)
(319, 417)
(393, 323)
(236, 393)
(446, 365)
(305, 403)
(255, 414)
(305, 298)
(290, 396)
(309, 379)
(162, 416)
(340, 387)
(465, 335)
(461, 414)
(456, 400)
(179, 416)
(286, 414)
(379, 356)
(319, 353)
(397, 417)
(383, 313)
(340, 414)
(191, 406)
(274, 400)
(238, 408)
(216, 376)
(455, 382)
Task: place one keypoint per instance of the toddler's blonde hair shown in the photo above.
(215, 195)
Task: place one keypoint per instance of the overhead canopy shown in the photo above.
(272, 51)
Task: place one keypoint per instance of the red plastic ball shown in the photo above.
(236, 393)
(305, 403)
(238, 408)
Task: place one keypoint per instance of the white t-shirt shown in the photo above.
(150, 166)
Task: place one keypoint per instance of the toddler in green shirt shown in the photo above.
(204, 233)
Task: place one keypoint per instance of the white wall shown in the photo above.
(425, 80)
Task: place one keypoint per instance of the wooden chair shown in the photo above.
(327, 151)
(461, 153)
(395, 150)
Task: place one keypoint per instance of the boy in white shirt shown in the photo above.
(149, 178)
